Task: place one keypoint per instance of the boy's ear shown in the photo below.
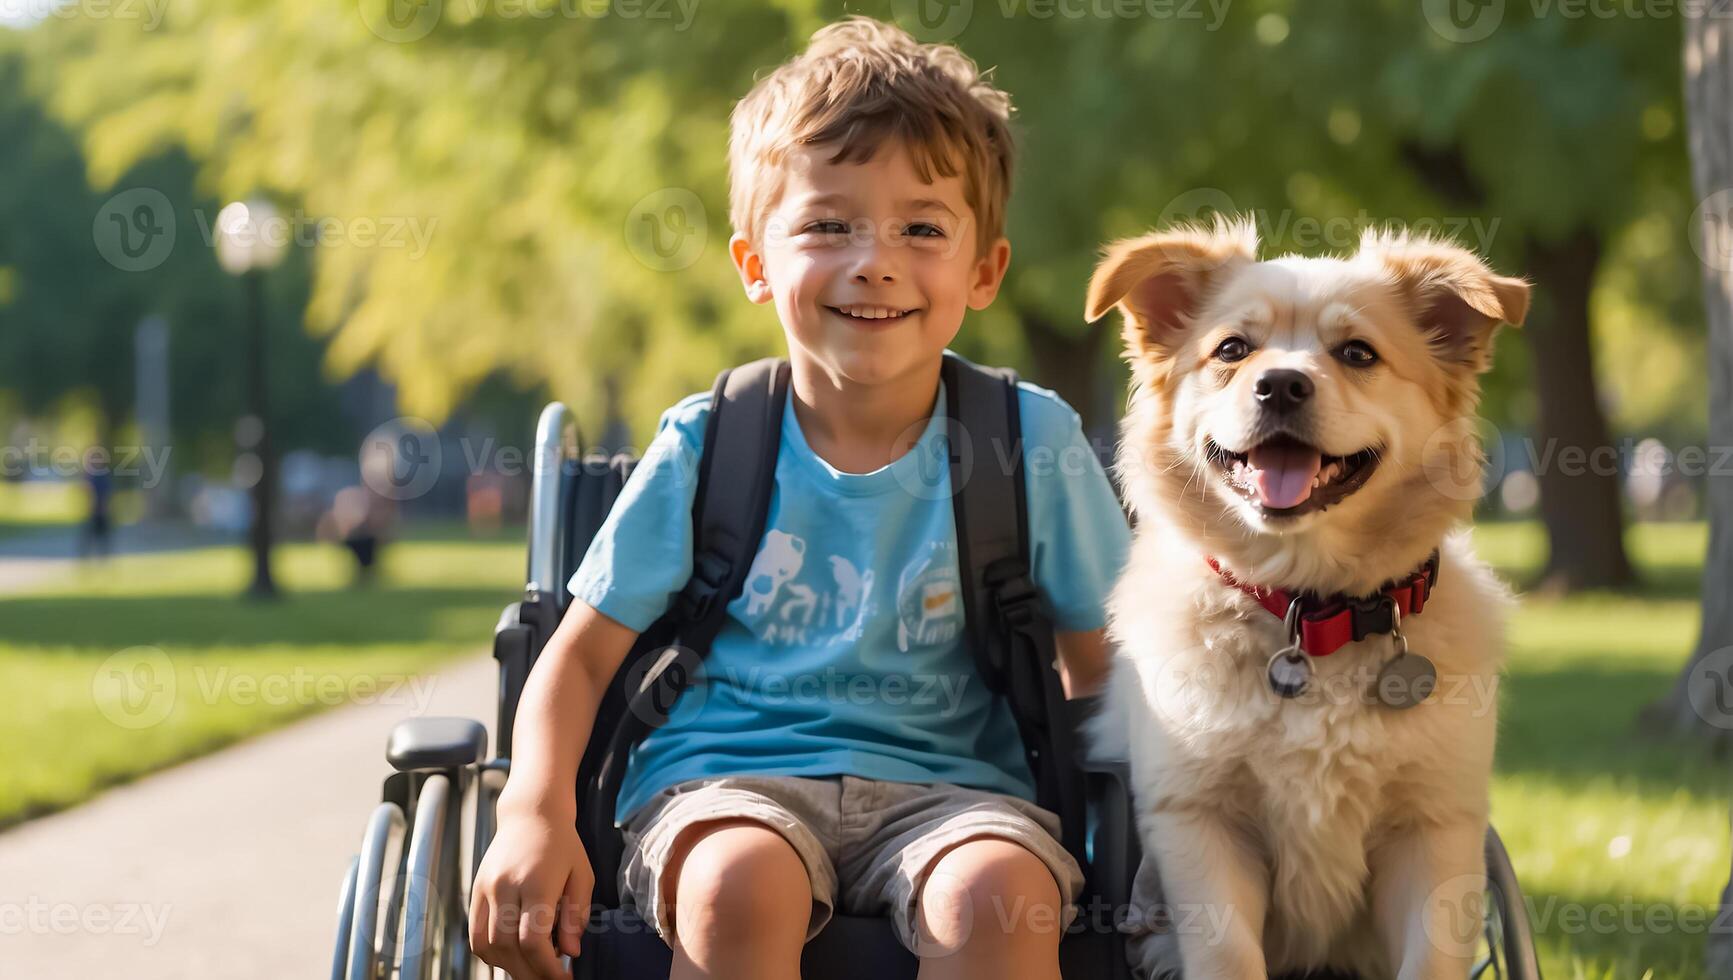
(750, 265)
(988, 274)
(1457, 300)
(1160, 281)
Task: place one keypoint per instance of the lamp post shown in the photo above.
(249, 240)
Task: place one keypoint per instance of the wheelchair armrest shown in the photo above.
(1116, 851)
(436, 743)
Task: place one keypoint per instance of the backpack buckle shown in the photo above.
(710, 573)
(1014, 595)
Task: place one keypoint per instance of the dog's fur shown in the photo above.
(1327, 831)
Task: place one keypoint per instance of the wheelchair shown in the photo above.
(403, 906)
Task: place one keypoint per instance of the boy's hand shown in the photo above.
(531, 898)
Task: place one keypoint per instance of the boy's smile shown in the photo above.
(870, 267)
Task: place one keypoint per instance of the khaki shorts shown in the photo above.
(866, 844)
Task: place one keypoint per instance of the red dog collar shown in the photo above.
(1328, 623)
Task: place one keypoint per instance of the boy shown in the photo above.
(868, 186)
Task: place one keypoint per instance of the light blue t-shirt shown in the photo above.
(844, 653)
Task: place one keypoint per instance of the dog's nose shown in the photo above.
(1283, 389)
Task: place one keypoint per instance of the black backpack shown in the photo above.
(1007, 629)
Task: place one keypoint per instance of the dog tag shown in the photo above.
(1406, 680)
(1290, 672)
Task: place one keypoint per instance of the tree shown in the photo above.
(547, 141)
(1699, 694)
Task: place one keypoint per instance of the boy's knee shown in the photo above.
(737, 883)
(989, 890)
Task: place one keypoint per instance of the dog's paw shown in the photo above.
(1153, 956)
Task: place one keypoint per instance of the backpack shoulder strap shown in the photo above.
(1008, 628)
(987, 499)
(736, 473)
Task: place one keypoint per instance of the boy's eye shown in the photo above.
(828, 226)
(923, 229)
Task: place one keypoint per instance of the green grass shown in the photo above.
(1602, 825)
(1621, 842)
(26, 507)
(86, 660)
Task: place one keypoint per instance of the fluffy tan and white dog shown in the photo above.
(1308, 424)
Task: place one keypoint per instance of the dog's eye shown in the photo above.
(1358, 353)
(1233, 349)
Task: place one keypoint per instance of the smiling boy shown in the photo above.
(869, 178)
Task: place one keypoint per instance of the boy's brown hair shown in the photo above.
(859, 84)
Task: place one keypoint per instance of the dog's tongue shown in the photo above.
(1283, 473)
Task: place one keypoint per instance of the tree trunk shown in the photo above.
(1579, 500)
(1693, 704)
(1070, 364)
(1573, 454)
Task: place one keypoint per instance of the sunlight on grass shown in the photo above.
(1621, 843)
(86, 660)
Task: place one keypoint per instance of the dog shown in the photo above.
(1307, 651)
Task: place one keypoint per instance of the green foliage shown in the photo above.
(526, 138)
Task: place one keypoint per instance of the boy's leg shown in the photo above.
(976, 883)
(736, 892)
(734, 873)
(988, 907)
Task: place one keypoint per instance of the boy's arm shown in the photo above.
(558, 708)
(1084, 656)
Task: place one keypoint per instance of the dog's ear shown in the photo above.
(1453, 295)
(1159, 281)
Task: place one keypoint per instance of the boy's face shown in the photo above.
(870, 268)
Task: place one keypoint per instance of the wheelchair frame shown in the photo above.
(403, 906)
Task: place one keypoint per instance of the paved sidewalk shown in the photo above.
(224, 867)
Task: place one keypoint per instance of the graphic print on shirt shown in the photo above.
(784, 610)
(778, 560)
(929, 608)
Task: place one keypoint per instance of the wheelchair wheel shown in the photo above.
(365, 936)
(425, 919)
(1507, 946)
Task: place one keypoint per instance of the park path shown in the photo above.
(227, 866)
